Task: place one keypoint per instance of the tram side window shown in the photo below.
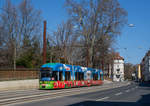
(100, 76)
(54, 76)
(67, 76)
(60, 76)
(82, 76)
(79, 76)
(76, 76)
(95, 76)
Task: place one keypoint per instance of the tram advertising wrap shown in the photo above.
(57, 75)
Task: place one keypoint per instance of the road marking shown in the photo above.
(128, 90)
(118, 93)
(102, 98)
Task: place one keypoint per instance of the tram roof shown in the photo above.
(66, 67)
(57, 66)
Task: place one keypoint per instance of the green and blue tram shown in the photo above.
(57, 75)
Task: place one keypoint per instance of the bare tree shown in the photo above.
(99, 21)
(29, 24)
(19, 28)
(63, 40)
(29, 31)
(9, 33)
(129, 69)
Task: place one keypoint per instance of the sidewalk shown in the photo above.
(19, 84)
(107, 82)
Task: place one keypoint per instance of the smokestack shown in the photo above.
(44, 43)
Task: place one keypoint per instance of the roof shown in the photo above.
(117, 56)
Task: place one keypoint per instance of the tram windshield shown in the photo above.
(45, 73)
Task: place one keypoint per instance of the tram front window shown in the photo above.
(46, 74)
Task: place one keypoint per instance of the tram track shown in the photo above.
(51, 95)
(36, 92)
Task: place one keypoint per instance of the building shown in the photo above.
(118, 68)
(145, 67)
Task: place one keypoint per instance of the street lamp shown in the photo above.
(131, 25)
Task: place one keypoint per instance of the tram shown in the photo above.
(57, 75)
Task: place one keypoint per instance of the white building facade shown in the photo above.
(118, 68)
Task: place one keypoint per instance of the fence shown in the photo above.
(21, 74)
(18, 74)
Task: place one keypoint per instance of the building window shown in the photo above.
(118, 70)
(117, 76)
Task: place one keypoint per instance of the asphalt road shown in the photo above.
(127, 95)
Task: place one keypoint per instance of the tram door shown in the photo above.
(67, 75)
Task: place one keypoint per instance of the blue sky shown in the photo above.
(135, 39)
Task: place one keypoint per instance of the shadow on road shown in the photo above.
(144, 84)
(97, 103)
(144, 101)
